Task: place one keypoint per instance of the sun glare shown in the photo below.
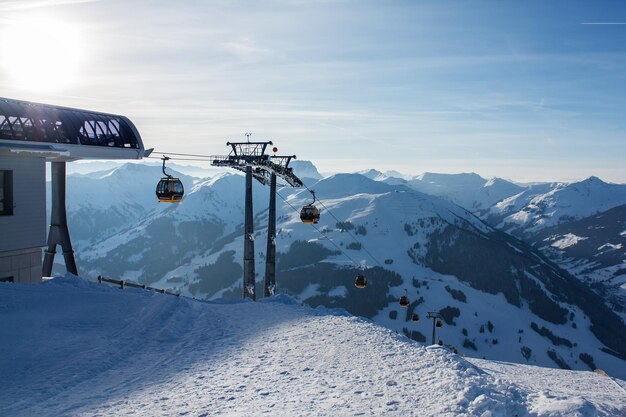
(40, 54)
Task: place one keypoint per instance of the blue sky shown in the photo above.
(519, 89)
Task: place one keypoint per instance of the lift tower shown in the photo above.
(250, 157)
(434, 316)
(270, 258)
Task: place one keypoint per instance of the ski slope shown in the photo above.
(74, 348)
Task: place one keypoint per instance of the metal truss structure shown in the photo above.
(244, 154)
(250, 157)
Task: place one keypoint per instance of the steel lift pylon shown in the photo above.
(58, 233)
(250, 158)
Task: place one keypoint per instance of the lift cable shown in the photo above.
(210, 158)
(185, 154)
(349, 232)
(322, 234)
(182, 159)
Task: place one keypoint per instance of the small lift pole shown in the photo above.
(434, 315)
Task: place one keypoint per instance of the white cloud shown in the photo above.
(246, 49)
(6, 6)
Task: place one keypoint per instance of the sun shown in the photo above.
(40, 54)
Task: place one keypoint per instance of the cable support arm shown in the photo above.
(165, 158)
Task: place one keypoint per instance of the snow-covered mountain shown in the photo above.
(74, 348)
(552, 204)
(470, 191)
(500, 298)
(89, 167)
(305, 169)
(593, 249)
(105, 202)
(390, 177)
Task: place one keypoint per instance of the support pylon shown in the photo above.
(59, 233)
(250, 158)
(248, 248)
(270, 262)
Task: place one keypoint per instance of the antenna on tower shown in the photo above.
(248, 134)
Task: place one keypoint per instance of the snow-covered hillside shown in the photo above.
(74, 348)
(305, 170)
(102, 203)
(501, 299)
(470, 191)
(549, 205)
(593, 249)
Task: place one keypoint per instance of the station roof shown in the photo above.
(62, 133)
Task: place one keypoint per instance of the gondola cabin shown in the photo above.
(170, 190)
(404, 301)
(439, 323)
(360, 281)
(415, 318)
(309, 214)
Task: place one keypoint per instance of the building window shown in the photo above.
(6, 193)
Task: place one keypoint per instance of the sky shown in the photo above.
(524, 90)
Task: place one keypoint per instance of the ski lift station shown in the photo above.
(32, 134)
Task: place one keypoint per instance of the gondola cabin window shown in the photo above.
(6, 193)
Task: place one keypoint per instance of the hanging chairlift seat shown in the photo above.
(360, 281)
(415, 317)
(439, 323)
(404, 301)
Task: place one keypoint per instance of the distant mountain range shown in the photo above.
(500, 297)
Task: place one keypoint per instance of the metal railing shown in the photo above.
(123, 284)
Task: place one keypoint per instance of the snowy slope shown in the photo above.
(105, 202)
(428, 246)
(593, 249)
(390, 177)
(507, 206)
(89, 167)
(75, 348)
(470, 191)
(305, 169)
(527, 213)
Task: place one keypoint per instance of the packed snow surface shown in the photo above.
(75, 348)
